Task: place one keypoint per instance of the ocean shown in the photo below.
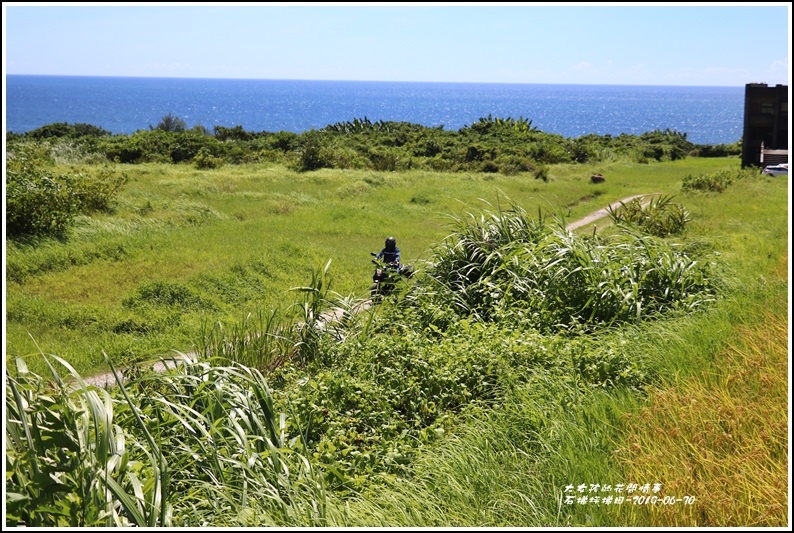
(708, 115)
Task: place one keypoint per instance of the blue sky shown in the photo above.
(640, 44)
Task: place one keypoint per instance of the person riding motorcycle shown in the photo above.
(390, 253)
(388, 269)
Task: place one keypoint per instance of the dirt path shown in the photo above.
(108, 380)
(603, 213)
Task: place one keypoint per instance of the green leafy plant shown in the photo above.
(716, 182)
(500, 265)
(41, 202)
(38, 202)
(660, 217)
(69, 461)
(205, 160)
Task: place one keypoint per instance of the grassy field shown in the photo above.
(706, 433)
(235, 240)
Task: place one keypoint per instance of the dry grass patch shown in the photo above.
(721, 437)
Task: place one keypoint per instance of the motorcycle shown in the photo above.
(386, 276)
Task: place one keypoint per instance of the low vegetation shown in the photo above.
(491, 145)
(527, 375)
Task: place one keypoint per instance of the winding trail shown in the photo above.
(167, 362)
(603, 213)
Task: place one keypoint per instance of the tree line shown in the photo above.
(490, 144)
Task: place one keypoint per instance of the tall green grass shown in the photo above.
(201, 445)
(505, 266)
(69, 461)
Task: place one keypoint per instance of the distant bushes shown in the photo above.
(718, 150)
(41, 202)
(62, 129)
(716, 182)
(160, 146)
(491, 145)
(205, 160)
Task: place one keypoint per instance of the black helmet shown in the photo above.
(391, 242)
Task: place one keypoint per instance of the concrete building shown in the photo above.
(765, 138)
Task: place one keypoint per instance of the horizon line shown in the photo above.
(385, 81)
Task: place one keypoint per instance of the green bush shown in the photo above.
(236, 133)
(312, 155)
(660, 218)
(606, 367)
(388, 159)
(541, 173)
(38, 202)
(513, 164)
(504, 267)
(170, 122)
(62, 129)
(365, 416)
(159, 145)
(98, 192)
(716, 182)
(718, 150)
(490, 145)
(285, 141)
(204, 160)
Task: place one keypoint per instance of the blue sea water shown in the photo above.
(708, 115)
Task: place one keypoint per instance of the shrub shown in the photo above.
(97, 192)
(513, 164)
(383, 158)
(152, 146)
(716, 182)
(488, 145)
(312, 155)
(62, 129)
(285, 141)
(236, 133)
(550, 150)
(584, 150)
(205, 160)
(608, 367)
(38, 202)
(187, 145)
(660, 218)
(81, 151)
(502, 266)
(718, 150)
(479, 152)
(542, 173)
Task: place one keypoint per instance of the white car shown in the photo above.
(776, 170)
